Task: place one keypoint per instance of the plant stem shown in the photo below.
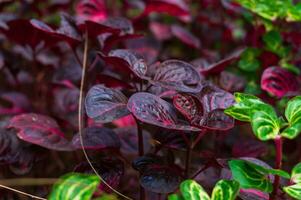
(278, 163)
(140, 153)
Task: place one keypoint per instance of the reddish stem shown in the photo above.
(278, 163)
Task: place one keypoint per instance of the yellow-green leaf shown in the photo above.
(225, 190)
(74, 186)
(293, 191)
(191, 190)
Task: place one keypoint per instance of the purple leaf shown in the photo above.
(177, 75)
(110, 169)
(278, 81)
(160, 179)
(248, 148)
(170, 139)
(219, 66)
(157, 175)
(94, 10)
(185, 36)
(68, 30)
(105, 104)
(205, 110)
(129, 140)
(97, 138)
(40, 130)
(134, 61)
(231, 82)
(13, 103)
(150, 109)
(177, 8)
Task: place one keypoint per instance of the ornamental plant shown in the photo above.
(150, 99)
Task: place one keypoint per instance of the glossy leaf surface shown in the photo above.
(153, 110)
(177, 75)
(97, 138)
(105, 104)
(249, 177)
(190, 189)
(40, 130)
(293, 116)
(225, 190)
(74, 186)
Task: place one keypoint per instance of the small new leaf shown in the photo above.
(225, 190)
(296, 174)
(190, 189)
(249, 177)
(293, 116)
(74, 186)
(265, 125)
(293, 191)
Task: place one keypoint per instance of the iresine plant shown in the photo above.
(191, 190)
(267, 125)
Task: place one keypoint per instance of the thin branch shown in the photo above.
(80, 117)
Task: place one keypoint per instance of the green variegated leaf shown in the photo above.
(175, 197)
(293, 191)
(243, 108)
(241, 97)
(296, 174)
(265, 124)
(74, 186)
(225, 190)
(293, 116)
(191, 190)
(249, 177)
(267, 171)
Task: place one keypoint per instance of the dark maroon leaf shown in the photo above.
(160, 179)
(188, 105)
(120, 23)
(68, 30)
(185, 36)
(147, 47)
(108, 42)
(94, 29)
(219, 66)
(13, 103)
(66, 104)
(177, 8)
(141, 163)
(177, 75)
(278, 81)
(129, 140)
(97, 138)
(31, 35)
(10, 147)
(268, 59)
(205, 109)
(161, 31)
(134, 61)
(248, 148)
(112, 82)
(170, 139)
(151, 109)
(105, 104)
(110, 169)
(40, 130)
(94, 10)
(42, 26)
(231, 82)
